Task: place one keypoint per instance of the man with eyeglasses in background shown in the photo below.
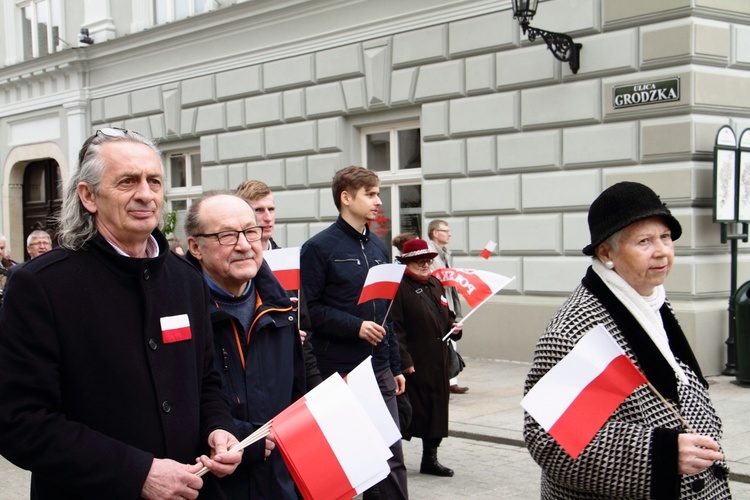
(107, 382)
(37, 243)
(439, 235)
(256, 340)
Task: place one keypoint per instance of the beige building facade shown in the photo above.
(463, 118)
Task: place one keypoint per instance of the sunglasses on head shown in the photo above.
(104, 132)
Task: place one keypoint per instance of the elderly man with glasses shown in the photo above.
(38, 243)
(107, 382)
(256, 340)
(439, 235)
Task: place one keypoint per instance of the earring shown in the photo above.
(609, 264)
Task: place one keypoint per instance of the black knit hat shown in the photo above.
(622, 204)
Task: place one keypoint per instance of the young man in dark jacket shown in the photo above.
(334, 265)
(257, 345)
(107, 382)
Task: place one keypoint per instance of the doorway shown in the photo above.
(42, 199)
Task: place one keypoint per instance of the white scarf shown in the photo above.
(644, 309)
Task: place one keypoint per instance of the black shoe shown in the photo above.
(430, 465)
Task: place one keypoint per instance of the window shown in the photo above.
(183, 184)
(166, 11)
(395, 153)
(40, 27)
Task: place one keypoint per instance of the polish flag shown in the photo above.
(488, 249)
(382, 282)
(329, 443)
(476, 286)
(175, 328)
(575, 398)
(284, 262)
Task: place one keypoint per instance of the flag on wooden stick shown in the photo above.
(382, 282)
(575, 398)
(329, 443)
(487, 250)
(284, 262)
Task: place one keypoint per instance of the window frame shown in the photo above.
(170, 14)
(395, 177)
(20, 5)
(189, 189)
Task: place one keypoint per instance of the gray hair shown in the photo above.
(38, 234)
(77, 225)
(433, 226)
(3, 238)
(613, 242)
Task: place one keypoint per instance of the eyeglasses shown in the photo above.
(443, 230)
(230, 238)
(423, 262)
(41, 243)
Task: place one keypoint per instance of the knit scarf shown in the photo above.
(644, 309)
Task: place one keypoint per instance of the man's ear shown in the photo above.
(194, 248)
(87, 196)
(346, 198)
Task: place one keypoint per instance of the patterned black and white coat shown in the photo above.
(634, 455)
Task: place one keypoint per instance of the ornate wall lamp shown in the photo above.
(561, 45)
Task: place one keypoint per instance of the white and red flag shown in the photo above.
(476, 286)
(329, 443)
(175, 328)
(364, 385)
(382, 282)
(575, 398)
(488, 249)
(284, 262)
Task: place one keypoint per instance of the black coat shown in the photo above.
(420, 328)
(90, 392)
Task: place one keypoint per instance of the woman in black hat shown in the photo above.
(421, 318)
(644, 450)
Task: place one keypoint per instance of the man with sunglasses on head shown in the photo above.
(107, 382)
(256, 340)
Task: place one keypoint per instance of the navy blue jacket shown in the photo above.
(334, 265)
(261, 381)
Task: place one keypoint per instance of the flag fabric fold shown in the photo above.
(329, 443)
(488, 249)
(382, 282)
(364, 385)
(577, 396)
(284, 263)
(474, 285)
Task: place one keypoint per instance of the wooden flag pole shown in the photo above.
(259, 434)
(385, 318)
(671, 408)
